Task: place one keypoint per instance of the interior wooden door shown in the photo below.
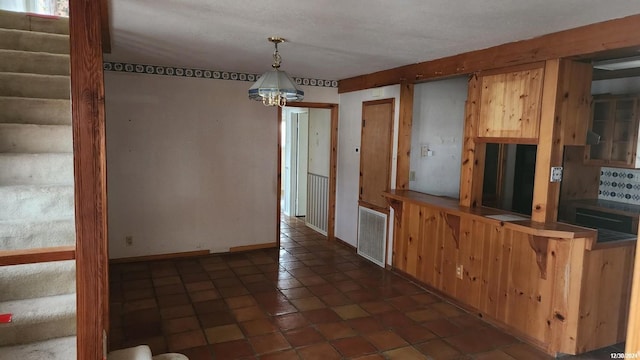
(375, 151)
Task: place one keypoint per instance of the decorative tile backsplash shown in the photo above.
(622, 185)
(201, 73)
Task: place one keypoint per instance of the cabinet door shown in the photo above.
(510, 105)
(624, 132)
(615, 119)
(600, 119)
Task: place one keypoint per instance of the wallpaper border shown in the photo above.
(203, 73)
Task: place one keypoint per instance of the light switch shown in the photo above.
(556, 173)
(424, 151)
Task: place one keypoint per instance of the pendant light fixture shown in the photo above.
(275, 87)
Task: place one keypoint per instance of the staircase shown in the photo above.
(36, 187)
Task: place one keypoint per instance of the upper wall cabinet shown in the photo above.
(510, 105)
(615, 120)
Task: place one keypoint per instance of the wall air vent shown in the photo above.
(372, 235)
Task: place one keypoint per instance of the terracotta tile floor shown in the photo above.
(308, 300)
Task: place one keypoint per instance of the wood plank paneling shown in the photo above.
(88, 120)
(491, 270)
(574, 104)
(471, 257)
(549, 151)
(449, 281)
(413, 238)
(603, 311)
(560, 309)
(503, 281)
(510, 104)
(104, 26)
(472, 152)
(404, 136)
(579, 181)
(566, 295)
(632, 344)
(399, 258)
(589, 39)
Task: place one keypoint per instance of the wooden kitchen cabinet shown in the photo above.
(615, 119)
(549, 284)
(510, 105)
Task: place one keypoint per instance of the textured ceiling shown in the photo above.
(334, 39)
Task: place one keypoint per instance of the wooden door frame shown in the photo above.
(392, 101)
(89, 157)
(333, 166)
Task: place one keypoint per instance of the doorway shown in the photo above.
(306, 152)
(307, 164)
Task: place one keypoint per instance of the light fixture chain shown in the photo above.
(277, 59)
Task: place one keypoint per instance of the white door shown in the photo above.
(302, 160)
(295, 161)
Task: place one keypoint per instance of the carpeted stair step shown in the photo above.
(36, 202)
(34, 139)
(38, 319)
(29, 234)
(34, 85)
(24, 40)
(33, 22)
(55, 349)
(31, 281)
(33, 62)
(36, 169)
(21, 110)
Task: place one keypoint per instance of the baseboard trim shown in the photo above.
(159, 257)
(342, 242)
(253, 247)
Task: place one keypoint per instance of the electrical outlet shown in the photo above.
(412, 176)
(128, 240)
(459, 271)
(556, 174)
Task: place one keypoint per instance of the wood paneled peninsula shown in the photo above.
(549, 283)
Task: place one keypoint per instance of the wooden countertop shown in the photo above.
(551, 230)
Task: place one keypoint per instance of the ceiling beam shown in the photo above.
(589, 39)
(104, 26)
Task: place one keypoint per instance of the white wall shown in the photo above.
(348, 178)
(629, 85)
(191, 164)
(319, 141)
(438, 122)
